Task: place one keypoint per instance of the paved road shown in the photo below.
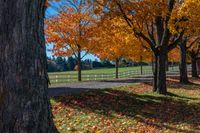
(74, 88)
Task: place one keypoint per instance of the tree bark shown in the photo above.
(183, 63)
(194, 68)
(167, 63)
(117, 68)
(155, 73)
(24, 101)
(161, 76)
(79, 65)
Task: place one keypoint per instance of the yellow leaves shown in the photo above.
(115, 40)
(70, 30)
(188, 17)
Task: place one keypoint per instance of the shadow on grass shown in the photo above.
(174, 83)
(162, 109)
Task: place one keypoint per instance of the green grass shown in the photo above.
(95, 74)
(104, 70)
(130, 109)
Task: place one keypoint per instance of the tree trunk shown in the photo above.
(167, 63)
(155, 73)
(117, 68)
(183, 63)
(194, 68)
(141, 67)
(161, 76)
(79, 65)
(24, 101)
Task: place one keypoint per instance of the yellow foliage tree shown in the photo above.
(114, 41)
(71, 31)
(149, 21)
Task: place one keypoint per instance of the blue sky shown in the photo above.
(52, 12)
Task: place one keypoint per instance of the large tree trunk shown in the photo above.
(161, 76)
(24, 101)
(155, 74)
(183, 63)
(79, 66)
(167, 63)
(117, 68)
(194, 68)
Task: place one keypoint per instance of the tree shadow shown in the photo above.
(162, 109)
(173, 82)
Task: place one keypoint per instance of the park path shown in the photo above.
(78, 87)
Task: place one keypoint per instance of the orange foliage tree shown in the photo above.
(71, 31)
(149, 20)
(114, 41)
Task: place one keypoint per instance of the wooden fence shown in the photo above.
(68, 78)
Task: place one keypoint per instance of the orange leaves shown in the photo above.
(188, 15)
(71, 30)
(130, 109)
(113, 38)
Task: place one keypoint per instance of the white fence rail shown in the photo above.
(67, 78)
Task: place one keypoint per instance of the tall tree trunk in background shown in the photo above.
(194, 68)
(183, 63)
(24, 101)
(117, 68)
(167, 63)
(161, 76)
(155, 73)
(79, 65)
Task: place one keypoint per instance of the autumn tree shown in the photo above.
(70, 32)
(113, 41)
(149, 20)
(185, 44)
(24, 101)
(189, 13)
(194, 52)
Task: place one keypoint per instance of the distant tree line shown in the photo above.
(59, 64)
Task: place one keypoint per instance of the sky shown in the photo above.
(52, 12)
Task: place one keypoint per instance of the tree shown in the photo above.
(113, 41)
(24, 104)
(71, 62)
(194, 52)
(149, 20)
(188, 12)
(71, 31)
(61, 63)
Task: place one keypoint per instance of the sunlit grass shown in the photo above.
(132, 108)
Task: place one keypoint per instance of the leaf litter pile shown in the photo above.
(134, 109)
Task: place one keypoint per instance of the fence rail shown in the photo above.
(56, 78)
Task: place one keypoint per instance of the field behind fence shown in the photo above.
(102, 74)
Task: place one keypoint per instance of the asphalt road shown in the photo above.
(78, 87)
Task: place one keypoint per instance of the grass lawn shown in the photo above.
(59, 78)
(94, 74)
(130, 109)
(104, 70)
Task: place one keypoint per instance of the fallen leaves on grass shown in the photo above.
(129, 109)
